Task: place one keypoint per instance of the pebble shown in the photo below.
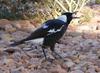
(70, 64)
(77, 71)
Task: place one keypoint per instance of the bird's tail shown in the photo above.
(17, 43)
(22, 41)
(31, 37)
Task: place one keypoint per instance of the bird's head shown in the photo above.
(68, 16)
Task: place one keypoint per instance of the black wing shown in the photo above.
(49, 27)
(53, 26)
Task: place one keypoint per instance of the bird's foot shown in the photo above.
(48, 60)
(26, 53)
(57, 56)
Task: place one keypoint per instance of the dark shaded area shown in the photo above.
(17, 9)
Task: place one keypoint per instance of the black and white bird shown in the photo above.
(51, 31)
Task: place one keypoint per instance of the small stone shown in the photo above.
(77, 71)
(15, 71)
(9, 28)
(24, 25)
(10, 51)
(57, 69)
(70, 64)
(77, 60)
(82, 57)
(90, 55)
(91, 70)
(89, 35)
(27, 49)
(4, 22)
(97, 69)
(44, 71)
(83, 28)
(4, 60)
(1, 71)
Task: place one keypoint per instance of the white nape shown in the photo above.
(63, 18)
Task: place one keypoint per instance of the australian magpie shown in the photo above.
(51, 31)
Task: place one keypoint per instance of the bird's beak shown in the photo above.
(74, 15)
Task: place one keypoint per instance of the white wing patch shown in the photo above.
(51, 31)
(54, 31)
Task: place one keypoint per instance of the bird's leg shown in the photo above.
(44, 52)
(54, 52)
(58, 55)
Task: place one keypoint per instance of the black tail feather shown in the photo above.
(32, 36)
(17, 43)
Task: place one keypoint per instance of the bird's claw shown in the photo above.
(56, 54)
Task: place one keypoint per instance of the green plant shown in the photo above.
(16, 9)
(43, 9)
(98, 1)
(53, 8)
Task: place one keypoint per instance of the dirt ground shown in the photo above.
(79, 48)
